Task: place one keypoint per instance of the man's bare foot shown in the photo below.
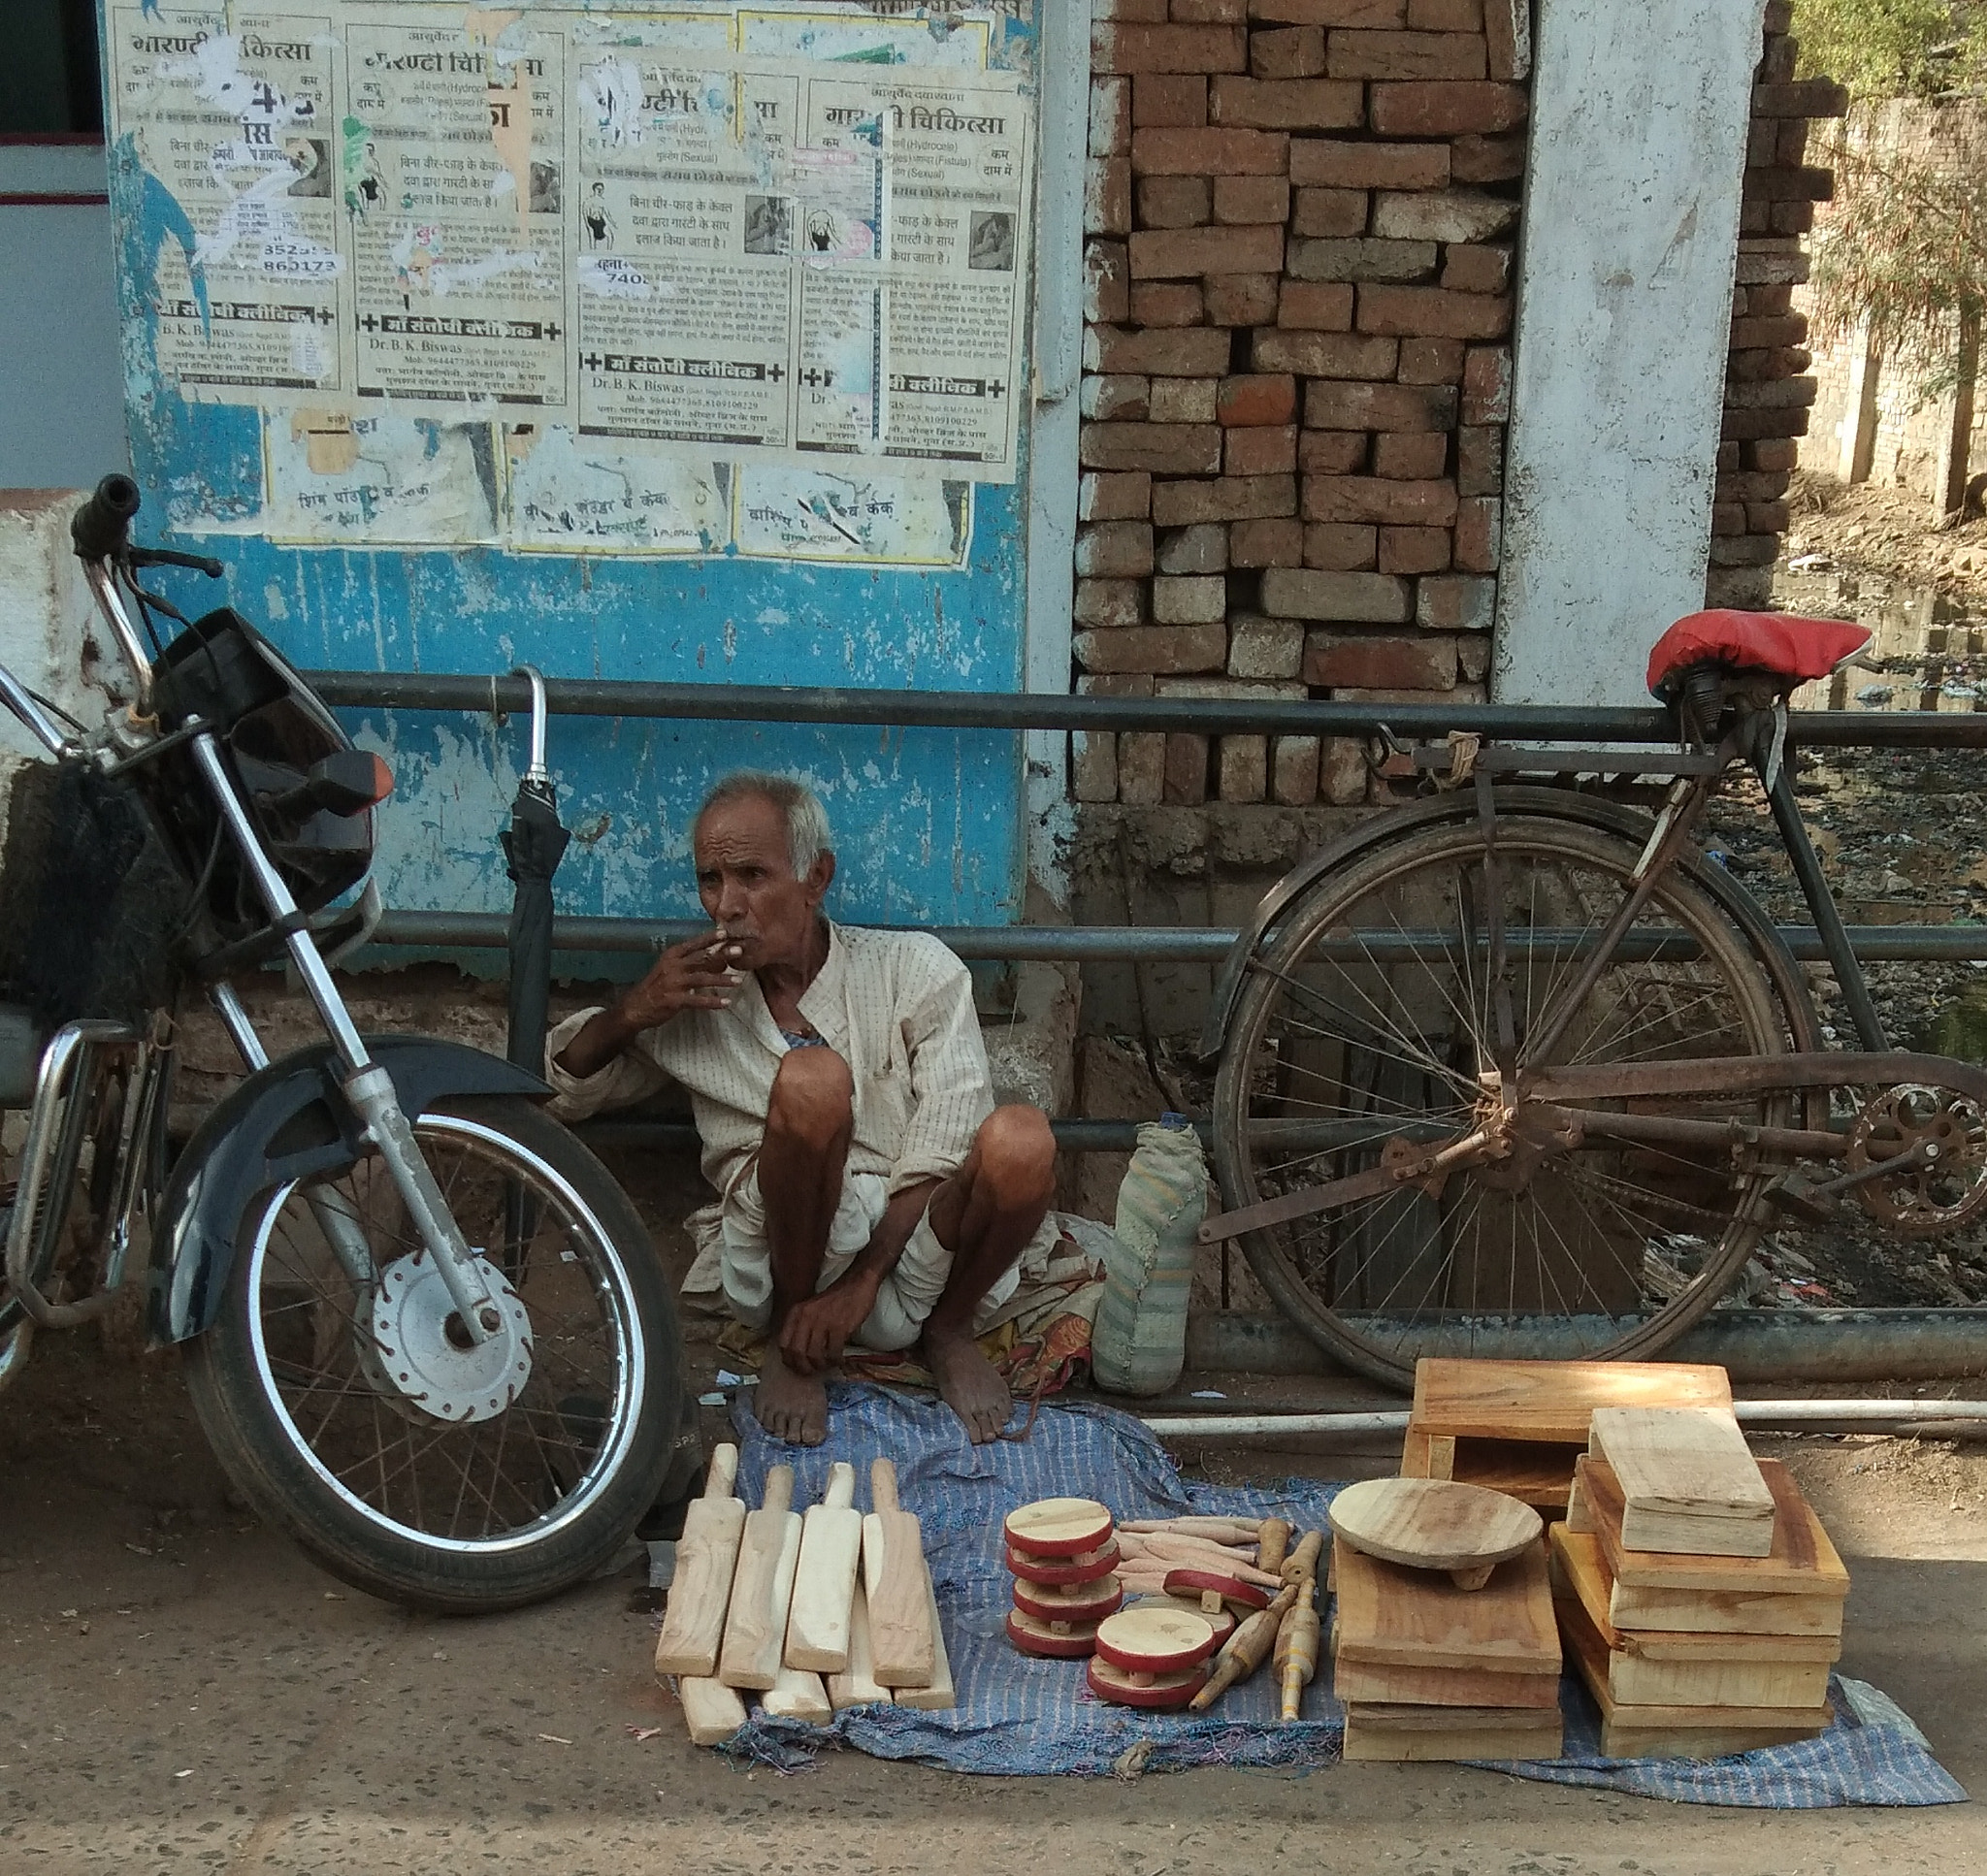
(791, 1407)
(967, 1383)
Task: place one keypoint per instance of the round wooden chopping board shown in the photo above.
(1221, 1622)
(1189, 1584)
(1149, 1641)
(1058, 1527)
(1088, 1601)
(1112, 1683)
(1087, 1567)
(1033, 1636)
(1435, 1523)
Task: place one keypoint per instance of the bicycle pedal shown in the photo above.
(1795, 1196)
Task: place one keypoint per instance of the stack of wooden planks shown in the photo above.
(1518, 1427)
(1426, 1669)
(812, 1614)
(1701, 1652)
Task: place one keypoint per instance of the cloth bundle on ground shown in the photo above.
(1039, 1343)
(1020, 1716)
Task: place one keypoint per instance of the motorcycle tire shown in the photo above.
(588, 1447)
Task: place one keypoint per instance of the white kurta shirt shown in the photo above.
(896, 1006)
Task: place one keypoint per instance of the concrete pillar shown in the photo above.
(1956, 433)
(1857, 428)
(1631, 226)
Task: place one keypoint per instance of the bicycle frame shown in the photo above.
(1546, 1108)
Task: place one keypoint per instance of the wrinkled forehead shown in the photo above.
(748, 829)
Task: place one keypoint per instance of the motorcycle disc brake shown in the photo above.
(427, 1359)
(1943, 1185)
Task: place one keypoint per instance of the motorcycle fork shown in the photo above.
(366, 1085)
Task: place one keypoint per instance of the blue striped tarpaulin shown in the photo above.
(1022, 1717)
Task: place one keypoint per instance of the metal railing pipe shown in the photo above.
(1035, 710)
(1106, 944)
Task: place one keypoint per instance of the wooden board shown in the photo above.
(1552, 1401)
(1393, 1617)
(1635, 1681)
(755, 1641)
(859, 1687)
(1683, 1732)
(901, 1641)
(1535, 1472)
(1624, 1738)
(1579, 1568)
(937, 1695)
(1578, 1516)
(1688, 1480)
(1354, 1680)
(706, 1556)
(795, 1693)
(824, 1583)
(1802, 1561)
(1432, 1522)
(712, 1710)
(1436, 1733)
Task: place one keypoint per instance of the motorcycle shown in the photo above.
(425, 1331)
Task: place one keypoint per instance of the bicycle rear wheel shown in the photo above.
(1371, 1018)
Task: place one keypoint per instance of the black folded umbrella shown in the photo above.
(534, 844)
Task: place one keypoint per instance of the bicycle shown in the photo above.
(1518, 1071)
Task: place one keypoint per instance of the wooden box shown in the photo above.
(1518, 1427)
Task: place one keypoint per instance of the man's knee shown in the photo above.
(813, 1098)
(1016, 1151)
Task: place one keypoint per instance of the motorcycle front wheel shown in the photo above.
(345, 1397)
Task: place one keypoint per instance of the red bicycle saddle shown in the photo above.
(1792, 647)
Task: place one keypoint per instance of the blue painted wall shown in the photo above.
(927, 822)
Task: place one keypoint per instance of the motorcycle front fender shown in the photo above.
(287, 1121)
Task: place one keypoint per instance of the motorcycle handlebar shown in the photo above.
(101, 528)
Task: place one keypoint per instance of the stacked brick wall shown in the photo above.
(1300, 221)
(1768, 387)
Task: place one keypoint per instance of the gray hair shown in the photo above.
(807, 835)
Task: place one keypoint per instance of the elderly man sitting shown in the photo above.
(871, 1192)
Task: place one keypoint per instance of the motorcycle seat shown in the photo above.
(1786, 646)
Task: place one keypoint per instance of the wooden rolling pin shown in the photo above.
(1224, 1531)
(700, 1591)
(1272, 1544)
(1245, 1650)
(902, 1647)
(1296, 1656)
(754, 1637)
(1303, 1561)
(824, 1583)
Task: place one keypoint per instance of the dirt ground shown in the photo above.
(1885, 530)
(184, 1691)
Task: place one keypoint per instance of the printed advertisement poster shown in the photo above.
(647, 259)
(236, 123)
(453, 170)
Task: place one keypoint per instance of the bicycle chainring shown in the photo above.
(1943, 1185)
